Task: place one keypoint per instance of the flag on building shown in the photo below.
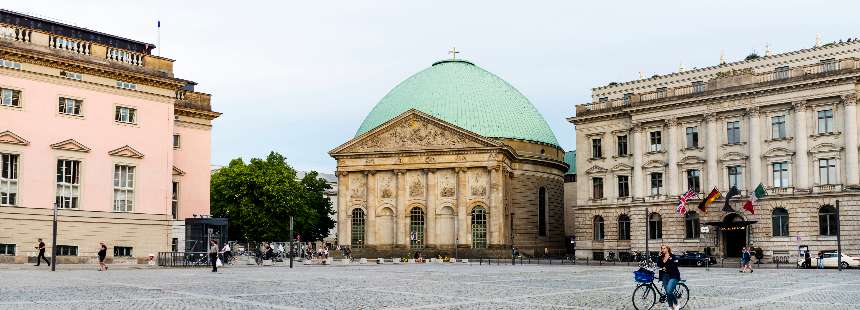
(732, 192)
(756, 195)
(709, 199)
(682, 201)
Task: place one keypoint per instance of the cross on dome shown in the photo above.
(453, 52)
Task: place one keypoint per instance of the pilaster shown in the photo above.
(343, 224)
(852, 172)
(497, 207)
(712, 141)
(637, 181)
(672, 152)
(401, 221)
(430, 209)
(754, 143)
(370, 228)
(463, 212)
(801, 148)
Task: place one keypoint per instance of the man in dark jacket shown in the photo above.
(41, 248)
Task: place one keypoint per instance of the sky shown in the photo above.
(298, 77)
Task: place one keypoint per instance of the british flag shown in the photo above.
(682, 201)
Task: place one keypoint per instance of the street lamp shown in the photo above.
(838, 238)
(54, 240)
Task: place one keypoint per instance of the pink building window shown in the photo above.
(8, 179)
(123, 188)
(68, 184)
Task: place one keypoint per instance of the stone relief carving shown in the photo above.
(447, 185)
(357, 184)
(385, 185)
(478, 186)
(416, 187)
(414, 133)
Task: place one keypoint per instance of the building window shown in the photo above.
(174, 244)
(623, 186)
(7, 249)
(623, 227)
(174, 201)
(10, 97)
(603, 99)
(698, 87)
(828, 65)
(661, 92)
(126, 115)
(479, 228)
(827, 171)
(827, 225)
(656, 140)
(70, 106)
(123, 188)
(68, 184)
(777, 124)
(627, 97)
(825, 121)
(779, 219)
(692, 225)
(176, 141)
(416, 228)
(10, 64)
(734, 176)
(780, 73)
(692, 137)
(67, 250)
(597, 188)
(357, 228)
(780, 174)
(733, 132)
(656, 183)
(542, 212)
(622, 146)
(693, 179)
(126, 85)
(596, 148)
(71, 75)
(122, 251)
(598, 228)
(8, 179)
(655, 226)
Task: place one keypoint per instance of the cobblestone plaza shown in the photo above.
(427, 286)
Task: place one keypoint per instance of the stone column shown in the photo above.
(430, 210)
(343, 212)
(497, 208)
(754, 144)
(801, 158)
(851, 157)
(672, 151)
(464, 226)
(712, 141)
(370, 197)
(400, 220)
(637, 180)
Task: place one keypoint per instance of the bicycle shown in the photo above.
(645, 295)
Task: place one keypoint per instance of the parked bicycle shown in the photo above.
(646, 292)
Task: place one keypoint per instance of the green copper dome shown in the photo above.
(465, 95)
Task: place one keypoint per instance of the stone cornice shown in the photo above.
(207, 115)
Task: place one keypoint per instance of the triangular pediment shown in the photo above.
(691, 160)
(733, 156)
(9, 137)
(414, 131)
(596, 170)
(622, 167)
(654, 164)
(825, 148)
(70, 145)
(778, 152)
(177, 171)
(126, 151)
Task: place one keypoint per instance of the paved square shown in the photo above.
(427, 286)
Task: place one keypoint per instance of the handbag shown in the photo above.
(218, 263)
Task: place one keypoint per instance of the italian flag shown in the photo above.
(757, 194)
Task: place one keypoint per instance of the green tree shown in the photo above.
(258, 198)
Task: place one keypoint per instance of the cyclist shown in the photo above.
(669, 275)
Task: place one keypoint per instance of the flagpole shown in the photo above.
(159, 38)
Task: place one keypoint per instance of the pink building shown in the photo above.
(98, 125)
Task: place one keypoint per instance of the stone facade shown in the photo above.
(419, 183)
(787, 121)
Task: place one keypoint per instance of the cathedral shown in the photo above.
(452, 160)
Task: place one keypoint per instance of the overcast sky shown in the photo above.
(298, 77)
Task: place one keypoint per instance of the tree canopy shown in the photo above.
(259, 197)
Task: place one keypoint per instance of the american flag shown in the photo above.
(682, 201)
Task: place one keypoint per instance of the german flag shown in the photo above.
(709, 199)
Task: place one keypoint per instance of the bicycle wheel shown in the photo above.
(682, 294)
(644, 297)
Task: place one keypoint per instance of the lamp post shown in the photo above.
(647, 254)
(838, 238)
(54, 241)
(291, 241)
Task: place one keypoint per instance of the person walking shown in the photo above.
(806, 259)
(41, 247)
(745, 259)
(820, 260)
(213, 254)
(669, 275)
(102, 254)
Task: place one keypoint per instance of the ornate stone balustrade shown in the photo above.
(15, 34)
(75, 46)
(131, 58)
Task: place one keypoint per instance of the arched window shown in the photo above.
(623, 227)
(358, 220)
(827, 225)
(542, 212)
(597, 226)
(655, 226)
(779, 220)
(416, 228)
(479, 228)
(692, 225)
